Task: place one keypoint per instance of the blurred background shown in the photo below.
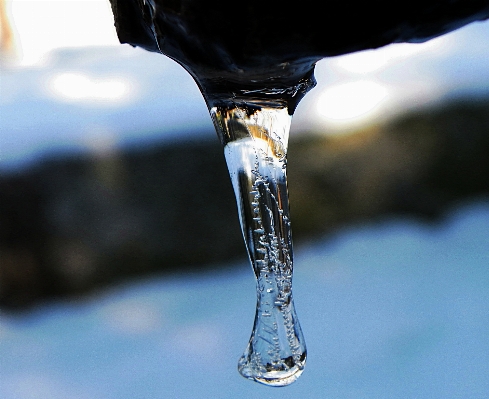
(122, 268)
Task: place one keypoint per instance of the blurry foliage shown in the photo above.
(70, 225)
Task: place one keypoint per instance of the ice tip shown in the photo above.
(274, 377)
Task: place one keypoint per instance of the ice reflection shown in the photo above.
(368, 61)
(412, 75)
(346, 102)
(83, 88)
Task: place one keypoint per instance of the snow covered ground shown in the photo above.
(390, 310)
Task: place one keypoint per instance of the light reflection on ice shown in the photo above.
(84, 89)
(345, 102)
(365, 62)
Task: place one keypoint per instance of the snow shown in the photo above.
(69, 104)
(396, 309)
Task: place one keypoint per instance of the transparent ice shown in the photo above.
(255, 137)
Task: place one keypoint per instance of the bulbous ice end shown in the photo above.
(276, 352)
(281, 374)
(255, 134)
